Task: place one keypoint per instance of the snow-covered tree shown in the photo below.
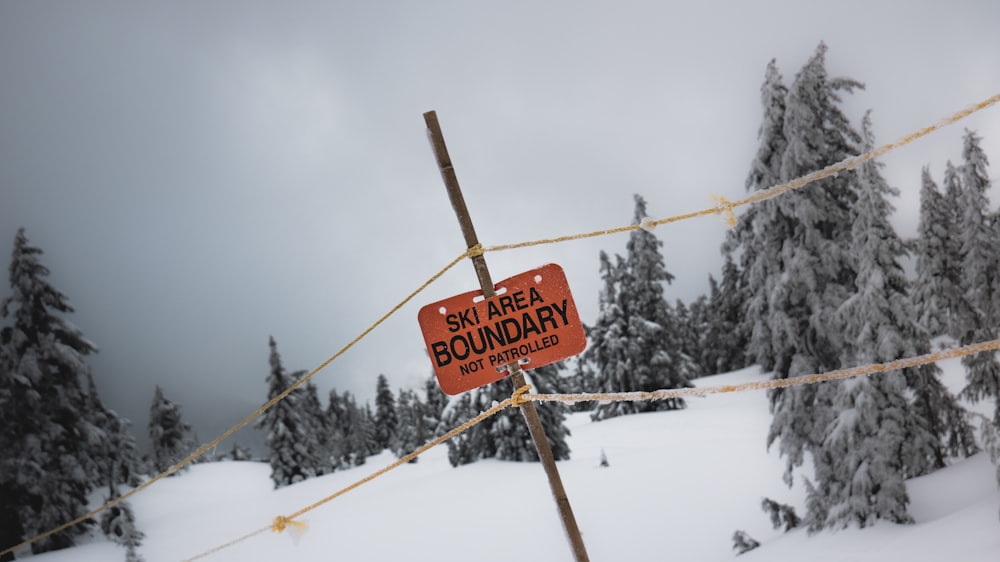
(859, 462)
(47, 467)
(168, 432)
(762, 229)
(980, 250)
(636, 340)
(607, 350)
(937, 292)
(505, 436)
(287, 429)
(317, 430)
(435, 402)
(412, 431)
(118, 524)
(466, 447)
(808, 272)
(386, 418)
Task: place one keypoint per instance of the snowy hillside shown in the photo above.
(678, 485)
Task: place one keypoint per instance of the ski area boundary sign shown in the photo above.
(532, 321)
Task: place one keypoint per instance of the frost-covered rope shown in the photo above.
(851, 372)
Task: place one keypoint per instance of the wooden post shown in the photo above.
(528, 409)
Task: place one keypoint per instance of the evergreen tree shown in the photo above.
(118, 524)
(637, 335)
(412, 431)
(47, 468)
(980, 252)
(317, 430)
(338, 420)
(937, 294)
(810, 271)
(689, 327)
(386, 418)
(465, 447)
(435, 402)
(287, 429)
(727, 326)
(860, 460)
(168, 432)
(505, 436)
(761, 231)
(608, 346)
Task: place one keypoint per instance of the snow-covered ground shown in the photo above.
(678, 485)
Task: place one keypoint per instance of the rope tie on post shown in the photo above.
(475, 251)
(518, 398)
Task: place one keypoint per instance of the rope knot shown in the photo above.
(280, 524)
(724, 207)
(476, 250)
(517, 398)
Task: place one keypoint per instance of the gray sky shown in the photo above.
(202, 175)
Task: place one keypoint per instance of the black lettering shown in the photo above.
(482, 341)
(441, 355)
(533, 296)
(454, 349)
(518, 298)
(507, 304)
(491, 306)
(545, 317)
(470, 367)
(492, 336)
(505, 324)
(562, 313)
(529, 325)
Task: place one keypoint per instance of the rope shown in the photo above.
(863, 370)
(723, 208)
(283, 521)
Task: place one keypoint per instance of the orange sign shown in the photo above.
(532, 321)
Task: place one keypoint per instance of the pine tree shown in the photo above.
(727, 307)
(505, 436)
(465, 447)
(608, 346)
(937, 292)
(761, 231)
(435, 402)
(168, 432)
(317, 430)
(47, 468)
(810, 271)
(637, 341)
(689, 326)
(287, 429)
(118, 524)
(980, 252)
(386, 418)
(337, 420)
(412, 431)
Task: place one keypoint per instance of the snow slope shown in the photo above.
(678, 485)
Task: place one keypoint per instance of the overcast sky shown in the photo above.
(202, 175)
